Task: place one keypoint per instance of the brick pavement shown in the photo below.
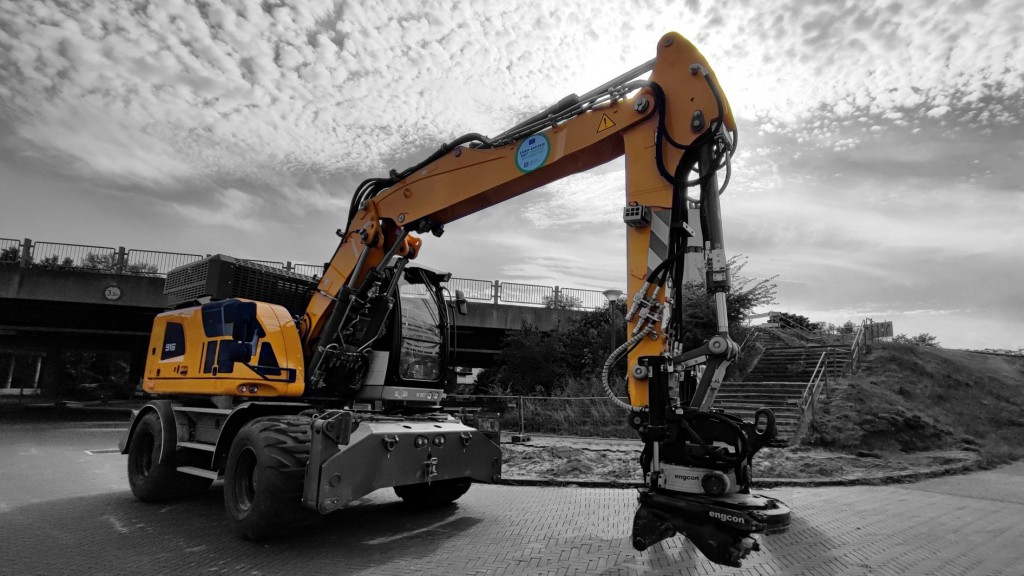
(949, 526)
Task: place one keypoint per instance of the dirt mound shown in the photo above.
(912, 398)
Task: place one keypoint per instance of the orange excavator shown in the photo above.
(303, 395)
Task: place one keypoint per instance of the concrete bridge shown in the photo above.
(51, 305)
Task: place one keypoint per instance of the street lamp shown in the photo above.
(612, 296)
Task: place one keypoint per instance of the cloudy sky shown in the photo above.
(879, 175)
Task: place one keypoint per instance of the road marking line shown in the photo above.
(103, 451)
(116, 524)
(387, 539)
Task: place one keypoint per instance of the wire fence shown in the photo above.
(591, 416)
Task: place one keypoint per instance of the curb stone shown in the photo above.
(969, 465)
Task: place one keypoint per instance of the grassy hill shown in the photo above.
(912, 398)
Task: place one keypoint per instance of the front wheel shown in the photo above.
(435, 494)
(150, 480)
(264, 476)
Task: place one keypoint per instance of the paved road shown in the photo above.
(66, 511)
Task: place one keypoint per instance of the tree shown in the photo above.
(698, 310)
(532, 361)
(54, 261)
(922, 339)
(108, 261)
(96, 374)
(561, 302)
(527, 364)
(11, 255)
(788, 320)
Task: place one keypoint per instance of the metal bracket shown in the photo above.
(430, 469)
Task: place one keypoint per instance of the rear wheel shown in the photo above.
(266, 470)
(150, 480)
(435, 494)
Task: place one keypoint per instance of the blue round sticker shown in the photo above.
(532, 152)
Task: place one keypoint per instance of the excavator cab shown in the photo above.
(394, 350)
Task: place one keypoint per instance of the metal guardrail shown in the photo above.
(55, 255)
(311, 270)
(156, 262)
(582, 298)
(28, 253)
(481, 290)
(515, 293)
(10, 250)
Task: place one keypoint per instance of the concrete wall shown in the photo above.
(81, 287)
(507, 317)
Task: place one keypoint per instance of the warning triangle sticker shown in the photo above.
(605, 124)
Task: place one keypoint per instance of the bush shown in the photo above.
(922, 339)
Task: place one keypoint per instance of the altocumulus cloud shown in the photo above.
(157, 91)
(855, 118)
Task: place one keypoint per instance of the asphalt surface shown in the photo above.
(65, 508)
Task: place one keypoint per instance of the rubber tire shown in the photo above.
(265, 474)
(434, 495)
(151, 481)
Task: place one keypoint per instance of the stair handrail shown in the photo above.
(787, 324)
(749, 338)
(856, 351)
(810, 396)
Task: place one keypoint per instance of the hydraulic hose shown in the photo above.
(612, 359)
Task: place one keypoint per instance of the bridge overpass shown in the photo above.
(57, 298)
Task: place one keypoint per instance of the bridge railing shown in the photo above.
(27, 253)
(527, 294)
(10, 251)
(478, 290)
(313, 270)
(515, 293)
(581, 298)
(158, 263)
(56, 255)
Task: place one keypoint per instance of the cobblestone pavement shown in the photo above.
(970, 524)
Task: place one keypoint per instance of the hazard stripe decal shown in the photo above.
(657, 247)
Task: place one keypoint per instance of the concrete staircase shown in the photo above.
(794, 364)
(778, 381)
(783, 398)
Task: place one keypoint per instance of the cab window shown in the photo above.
(420, 354)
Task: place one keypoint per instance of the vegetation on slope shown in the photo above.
(912, 398)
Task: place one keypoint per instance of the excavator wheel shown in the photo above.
(150, 480)
(264, 477)
(435, 494)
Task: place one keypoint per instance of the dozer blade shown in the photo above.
(722, 528)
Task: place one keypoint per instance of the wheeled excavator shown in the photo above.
(304, 395)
